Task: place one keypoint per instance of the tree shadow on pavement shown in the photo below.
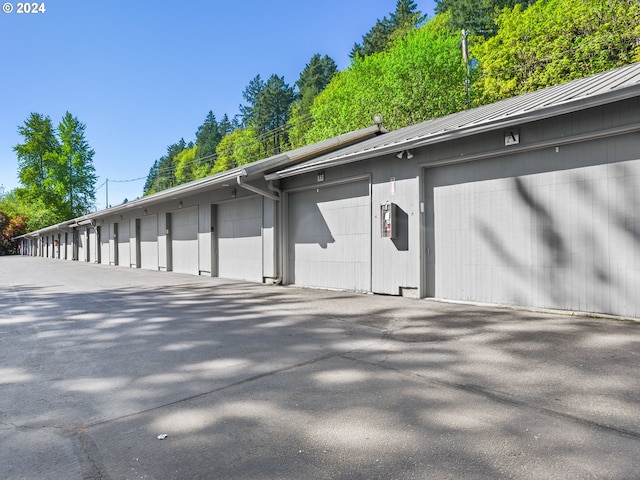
(253, 381)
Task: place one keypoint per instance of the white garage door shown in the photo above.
(240, 239)
(148, 242)
(329, 239)
(560, 239)
(124, 249)
(105, 251)
(184, 241)
(93, 245)
(82, 245)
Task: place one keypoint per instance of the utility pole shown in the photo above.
(465, 57)
(106, 203)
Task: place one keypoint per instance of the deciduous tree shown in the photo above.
(554, 41)
(421, 77)
(476, 16)
(55, 168)
(238, 148)
(74, 176)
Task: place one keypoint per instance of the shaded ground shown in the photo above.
(253, 381)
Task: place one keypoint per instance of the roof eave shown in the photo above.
(452, 134)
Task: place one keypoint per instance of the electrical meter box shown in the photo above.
(388, 220)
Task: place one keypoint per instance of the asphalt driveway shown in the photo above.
(263, 382)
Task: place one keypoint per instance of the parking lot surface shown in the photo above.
(254, 381)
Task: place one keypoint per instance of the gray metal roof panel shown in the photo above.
(575, 94)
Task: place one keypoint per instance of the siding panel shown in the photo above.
(329, 242)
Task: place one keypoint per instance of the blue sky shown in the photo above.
(141, 74)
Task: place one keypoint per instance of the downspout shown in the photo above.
(257, 190)
(273, 196)
(279, 234)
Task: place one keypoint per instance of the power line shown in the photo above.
(127, 181)
(263, 137)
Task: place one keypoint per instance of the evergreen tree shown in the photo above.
(208, 136)
(250, 94)
(162, 174)
(316, 75)
(476, 16)
(313, 79)
(374, 41)
(56, 172)
(405, 18)
(226, 126)
(152, 176)
(36, 154)
(75, 172)
(271, 111)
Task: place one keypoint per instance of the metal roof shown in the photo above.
(602, 88)
(252, 170)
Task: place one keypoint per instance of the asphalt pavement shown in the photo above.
(249, 381)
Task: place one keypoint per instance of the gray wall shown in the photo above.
(329, 236)
(394, 263)
(553, 221)
(555, 227)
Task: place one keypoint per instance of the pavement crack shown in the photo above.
(14, 426)
(89, 456)
(505, 399)
(237, 383)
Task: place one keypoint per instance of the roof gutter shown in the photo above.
(446, 135)
(257, 190)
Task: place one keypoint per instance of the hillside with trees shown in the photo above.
(407, 68)
(410, 69)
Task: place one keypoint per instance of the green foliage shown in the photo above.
(162, 174)
(186, 165)
(554, 41)
(75, 176)
(152, 177)
(299, 125)
(314, 78)
(56, 171)
(185, 162)
(476, 16)
(374, 41)
(250, 94)
(405, 18)
(421, 77)
(36, 154)
(34, 213)
(410, 75)
(267, 110)
(12, 222)
(238, 148)
(208, 136)
(210, 133)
